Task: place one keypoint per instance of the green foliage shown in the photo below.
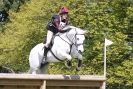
(110, 19)
(11, 4)
(7, 5)
(24, 31)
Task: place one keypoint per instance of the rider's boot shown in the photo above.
(45, 55)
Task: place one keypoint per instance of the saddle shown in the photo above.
(52, 40)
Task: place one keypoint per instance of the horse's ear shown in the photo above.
(85, 32)
(82, 31)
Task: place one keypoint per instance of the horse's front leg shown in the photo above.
(79, 62)
(68, 64)
(69, 58)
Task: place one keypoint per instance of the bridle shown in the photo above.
(71, 43)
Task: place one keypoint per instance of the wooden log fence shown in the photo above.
(43, 81)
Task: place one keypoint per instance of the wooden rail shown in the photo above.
(41, 81)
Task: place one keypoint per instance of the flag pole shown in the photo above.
(104, 84)
(106, 43)
(105, 60)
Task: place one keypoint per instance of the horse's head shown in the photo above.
(79, 42)
(76, 36)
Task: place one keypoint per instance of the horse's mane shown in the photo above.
(68, 27)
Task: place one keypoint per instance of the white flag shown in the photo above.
(108, 42)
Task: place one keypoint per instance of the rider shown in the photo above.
(55, 26)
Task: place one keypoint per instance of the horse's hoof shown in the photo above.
(78, 68)
(67, 66)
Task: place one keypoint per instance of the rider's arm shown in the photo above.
(57, 23)
(49, 37)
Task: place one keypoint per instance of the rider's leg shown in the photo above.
(49, 37)
(45, 51)
(46, 45)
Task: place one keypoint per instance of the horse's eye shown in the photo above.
(77, 38)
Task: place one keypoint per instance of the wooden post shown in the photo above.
(103, 86)
(43, 86)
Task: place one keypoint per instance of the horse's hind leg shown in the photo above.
(33, 71)
(30, 71)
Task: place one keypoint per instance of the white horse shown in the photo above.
(66, 46)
